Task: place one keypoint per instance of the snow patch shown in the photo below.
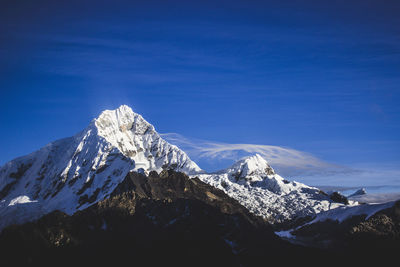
(20, 200)
(342, 213)
(285, 234)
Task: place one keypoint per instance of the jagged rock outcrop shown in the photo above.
(339, 198)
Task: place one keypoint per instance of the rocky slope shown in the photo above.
(171, 220)
(160, 219)
(374, 228)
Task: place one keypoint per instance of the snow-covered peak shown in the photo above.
(111, 123)
(75, 172)
(252, 166)
(138, 140)
(359, 192)
(254, 183)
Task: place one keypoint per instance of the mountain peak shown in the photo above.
(75, 172)
(122, 119)
(118, 113)
(138, 140)
(254, 165)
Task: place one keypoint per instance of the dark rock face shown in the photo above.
(165, 219)
(337, 197)
(7, 189)
(171, 185)
(378, 237)
(171, 220)
(382, 227)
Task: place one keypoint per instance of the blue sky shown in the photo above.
(321, 77)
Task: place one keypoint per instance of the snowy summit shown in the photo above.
(73, 173)
(254, 183)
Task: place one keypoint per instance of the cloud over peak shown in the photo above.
(287, 161)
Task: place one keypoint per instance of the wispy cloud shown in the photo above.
(287, 161)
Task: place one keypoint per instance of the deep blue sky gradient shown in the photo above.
(317, 76)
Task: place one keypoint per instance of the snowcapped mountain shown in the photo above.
(75, 172)
(256, 186)
(359, 192)
(114, 173)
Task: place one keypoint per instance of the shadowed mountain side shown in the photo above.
(166, 218)
(379, 233)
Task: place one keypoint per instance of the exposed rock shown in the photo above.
(378, 234)
(384, 224)
(337, 197)
(168, 219)
(20, 171)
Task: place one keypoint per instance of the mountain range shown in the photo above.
(118, 173)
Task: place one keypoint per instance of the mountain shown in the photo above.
(359, 192)
(254, 183)
(118, 189)
(72, 173)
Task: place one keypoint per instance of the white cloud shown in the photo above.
(290, 163)
(287, 161)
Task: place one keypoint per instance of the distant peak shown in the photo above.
(250, 166)
(359, 192)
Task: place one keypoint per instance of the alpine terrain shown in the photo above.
(117, 187)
